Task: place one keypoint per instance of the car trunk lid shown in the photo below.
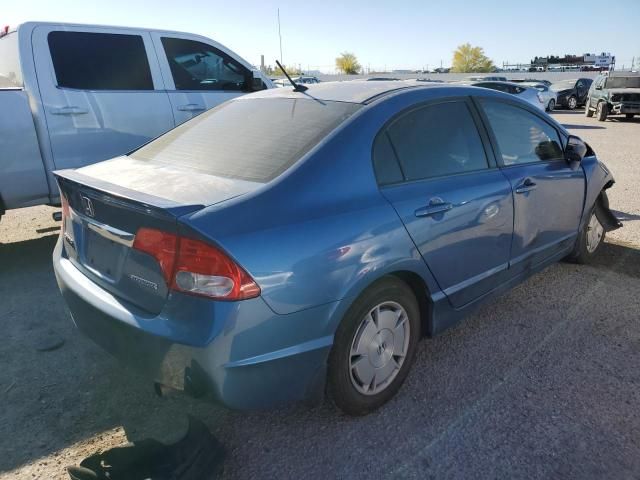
(105, 212)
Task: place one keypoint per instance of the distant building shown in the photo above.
(588, 61)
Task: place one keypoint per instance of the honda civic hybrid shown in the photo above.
(289, 244)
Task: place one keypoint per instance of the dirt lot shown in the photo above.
(542, 383)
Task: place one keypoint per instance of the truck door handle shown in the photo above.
(191, 107)
(526, 186)
(435, 206)
(69, 110)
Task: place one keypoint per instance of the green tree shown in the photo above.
(470, 59)
(348, 63)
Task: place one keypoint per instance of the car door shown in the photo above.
(582, 88)
(595, 92)
(548, 193)
(433, 168)
(199, 73)
(101, 95)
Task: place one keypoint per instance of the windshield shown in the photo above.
(623, 82)
(563, 85)
(248, 139)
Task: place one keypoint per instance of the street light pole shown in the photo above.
(279, 35)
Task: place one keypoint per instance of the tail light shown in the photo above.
(195, 267)
(66, 214)
(540, 99)
(64, 204)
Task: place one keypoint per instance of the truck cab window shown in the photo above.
(100, 61)
(198, 66)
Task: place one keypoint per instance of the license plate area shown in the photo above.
(103, 256)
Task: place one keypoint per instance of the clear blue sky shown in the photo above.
(391, 34)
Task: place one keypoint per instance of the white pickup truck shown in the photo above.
(71, 95)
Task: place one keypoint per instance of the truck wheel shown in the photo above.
(602, 111)
(629, 116)
(572, 103)
(374, 347)
(587, 109)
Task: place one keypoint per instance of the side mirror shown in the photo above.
(255, 81)
(576, 149)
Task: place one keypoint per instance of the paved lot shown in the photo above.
(542, 383)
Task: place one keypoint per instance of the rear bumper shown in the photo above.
(241, 353)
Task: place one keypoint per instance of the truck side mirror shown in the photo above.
(256, 82)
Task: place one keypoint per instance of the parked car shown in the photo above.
(302, 79)
(571, 93)
(618, 94)
(269, 271)
(529, 94)
(489, 78)
(71, 95)
(549, 97)
(530, 80)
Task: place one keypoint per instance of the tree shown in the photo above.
(470, 59)
(348, 63)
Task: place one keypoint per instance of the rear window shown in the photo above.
(248, 139)
(10, 72)
(100, 61)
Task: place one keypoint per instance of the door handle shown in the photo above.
(191, 107)
(526, 186)
(433, 208)
(69, 110)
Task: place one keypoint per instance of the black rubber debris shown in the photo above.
(197, 456)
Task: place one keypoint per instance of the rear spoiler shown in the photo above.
(151, 202)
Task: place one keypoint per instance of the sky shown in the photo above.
(384, 35)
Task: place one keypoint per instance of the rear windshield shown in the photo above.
(250, 139)
(623, 82)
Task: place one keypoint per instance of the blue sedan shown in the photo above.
(289, 244)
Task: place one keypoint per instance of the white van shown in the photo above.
(71, 95)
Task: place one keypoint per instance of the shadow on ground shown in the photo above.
(53, 400)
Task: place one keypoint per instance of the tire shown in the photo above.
(587, 109)
(572, 102)
(602, 111)
(629, 116)
(590, 239)
(551, 105)
(373, 350)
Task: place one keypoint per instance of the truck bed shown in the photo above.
(22, 177)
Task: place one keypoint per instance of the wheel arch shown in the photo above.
(412, 279)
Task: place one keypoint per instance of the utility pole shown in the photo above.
(280, 36)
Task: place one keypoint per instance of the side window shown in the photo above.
(522, 136)
(385, 162)
(100, 61)
(198, 66)
(437, 140)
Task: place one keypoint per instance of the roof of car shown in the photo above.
(353, 91)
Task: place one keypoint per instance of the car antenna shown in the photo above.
(296, 87)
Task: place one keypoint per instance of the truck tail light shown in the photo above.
(195, 267)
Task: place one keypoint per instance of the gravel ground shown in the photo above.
(541, 383)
